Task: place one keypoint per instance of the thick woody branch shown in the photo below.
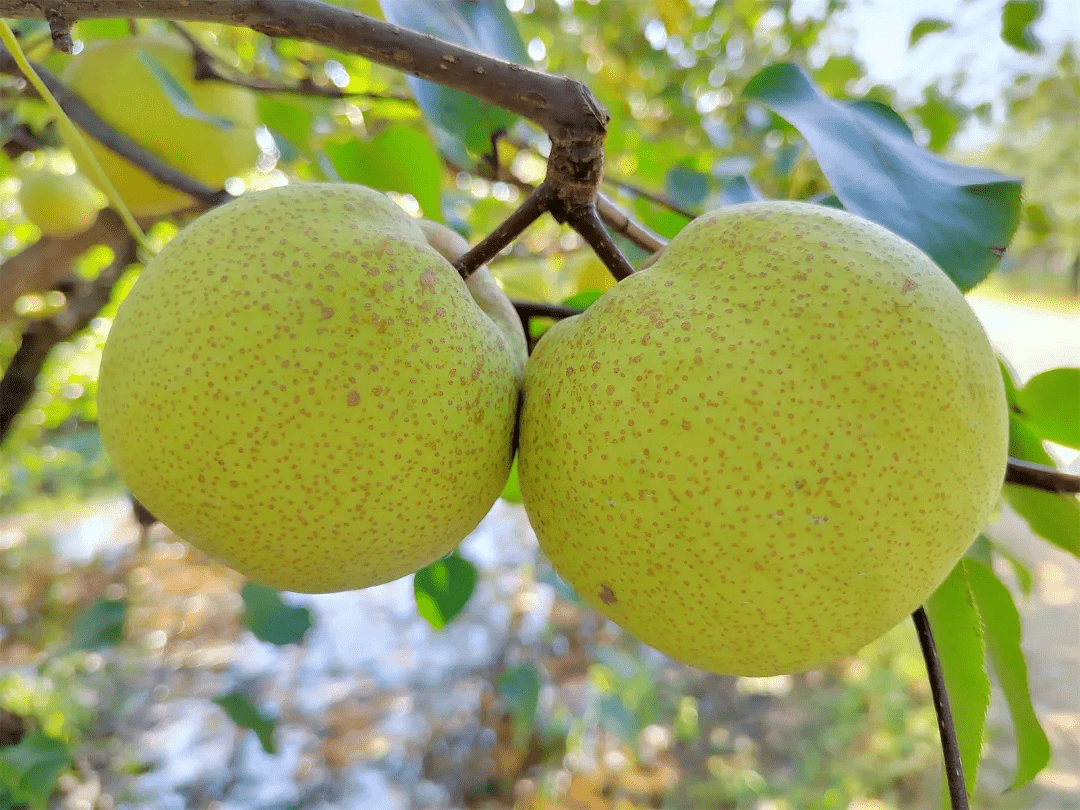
(78, 111)
(41, 265)
(1039, 476)
(565, 108)
(85, 300)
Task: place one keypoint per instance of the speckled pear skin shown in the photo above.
(300, 386)
(767, 449)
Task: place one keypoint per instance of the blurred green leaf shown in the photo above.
(584, 299)
(1050, 403)
(925, 26)
(1037, 220)
(1002, 632)
(246, 715)
(941, 116)
(519, 686)
(100, 625)
(91, 30)
(30, 769)
(400, 158)
(957, 214)
(443, 588)
(271, 619)
(687, 187)
(290, 120)
(1017, 17)
(739, 189)
(1053, 516)
(178, 96)
(485, 27)
(958, 635)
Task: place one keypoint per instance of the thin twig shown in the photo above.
(620, 222)
(651, 196)
(586, 221)
(206, 68)
(508, 230)
(1040, 476)
(954, 766)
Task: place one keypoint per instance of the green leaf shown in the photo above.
(1008, 377)
(1017, 17)
(739, 189)
(400, 158)
(485, 27)
(93, 30)
(583, 300)
(941, 116)
(1053, 516)
(246, 715)
(959, 215)
(443, 588)
(925, 26)
(291, 121)
(519, 686)
(1001, 627)
(178, 96)
(1050, 403)
(958, 635)
(271, 619)
(512, 488)
(30, 769)
(100, 625)
(687, 187)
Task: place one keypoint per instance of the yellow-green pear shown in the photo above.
(768, 448)
(59, 204)
(204, 128)
(299, 385)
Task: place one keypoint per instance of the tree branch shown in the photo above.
(85, 300)
(564, 107)
(954, 766)
(1040, 476)
(39, 266)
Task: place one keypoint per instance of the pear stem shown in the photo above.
(584, 219)
(508, 230)
(1040, 476)
(954, 767)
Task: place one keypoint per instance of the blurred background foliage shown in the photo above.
(683, 139)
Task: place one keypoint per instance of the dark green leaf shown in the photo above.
(178, 96)
(1001, 627)
(687, 187)
(100, 625)
(270, 619)
(1053, 516)
(739, 189)
(30, 769)
(246, 715)
(1050, 403)
(954, 619)
(957, 214)
(443, 588)
(927, 25)
(400, 158)
(484, 27)
(519, 686)
(1017, 17)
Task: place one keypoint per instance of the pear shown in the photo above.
(145, 88)
(302, 387)
(768, 448)
(59, 204)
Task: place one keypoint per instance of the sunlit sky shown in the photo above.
(877, 31)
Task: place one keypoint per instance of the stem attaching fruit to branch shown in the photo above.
(954, 767)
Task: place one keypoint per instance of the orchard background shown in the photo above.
(134, 672)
